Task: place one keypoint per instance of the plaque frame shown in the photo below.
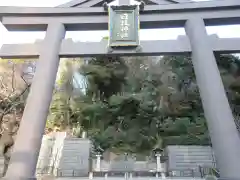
(134, 40)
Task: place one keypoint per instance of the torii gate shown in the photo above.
(89, 15)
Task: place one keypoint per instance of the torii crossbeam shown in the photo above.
(95, 18)
(97, 3)
(87, 15)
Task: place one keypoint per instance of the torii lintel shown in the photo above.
(98, 3)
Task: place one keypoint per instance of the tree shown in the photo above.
(105, 76)
(13, 94)
(137, 104)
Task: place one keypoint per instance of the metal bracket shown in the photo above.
(141, 6)
(105, 5)
(138, 49)
(109, 49)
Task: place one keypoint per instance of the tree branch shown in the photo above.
(9, 108)
(13, 77)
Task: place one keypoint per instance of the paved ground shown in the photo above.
(145, 178)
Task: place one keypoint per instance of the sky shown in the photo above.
(153, 34)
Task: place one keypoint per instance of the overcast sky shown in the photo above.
(157, 34)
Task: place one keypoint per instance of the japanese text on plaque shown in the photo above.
(124, 26)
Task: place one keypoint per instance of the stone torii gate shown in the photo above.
(89, 15)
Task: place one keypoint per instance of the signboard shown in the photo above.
(123, 26)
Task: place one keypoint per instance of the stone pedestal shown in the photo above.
(159, 166)
(33, 178)
(98, 163)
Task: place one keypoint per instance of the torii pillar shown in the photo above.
(29, 138)
(224, 135)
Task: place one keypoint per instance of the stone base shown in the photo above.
(13, 178)
(228, 179)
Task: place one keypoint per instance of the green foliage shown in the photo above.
(105, 76)
(138, 104)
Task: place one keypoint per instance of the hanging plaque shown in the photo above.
(123, 25)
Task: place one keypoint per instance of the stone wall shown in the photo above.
(75, 156)
(62, 156)
(189, 157)
(136, 166)
(68, 157)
